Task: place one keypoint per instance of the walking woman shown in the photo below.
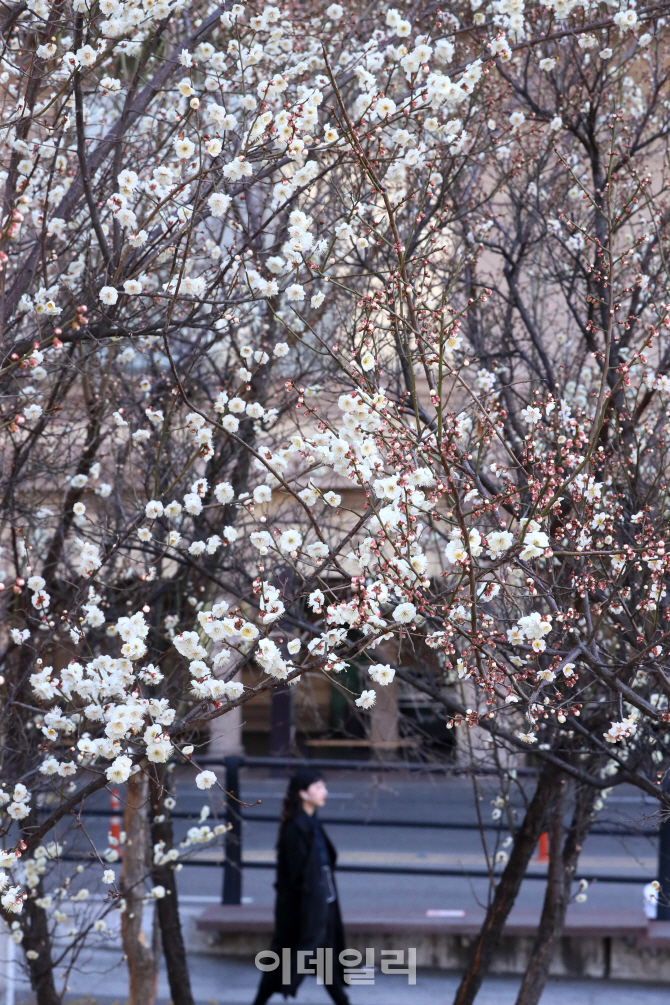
(307, 914)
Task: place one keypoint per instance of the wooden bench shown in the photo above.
(374, 744)
(622, 945)
(413, 921)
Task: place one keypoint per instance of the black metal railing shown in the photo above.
(234, 864)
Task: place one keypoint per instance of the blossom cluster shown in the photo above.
(285, 391)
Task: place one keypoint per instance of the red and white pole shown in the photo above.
(115, 821)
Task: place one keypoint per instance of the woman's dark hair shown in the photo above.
(300, 781)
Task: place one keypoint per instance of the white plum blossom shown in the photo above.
(381, 673)
(218, 204)
(295, 293)
(119, 770)
(404, 613)
(184, 148)
(366, 699)
(108, 295)
(534, 541)
(621, 730)
(290, 540)
(499, 542)
(205, 779)
(188, 645)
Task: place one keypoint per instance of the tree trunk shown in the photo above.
(19, 748)
(36, 937)
(34, 924)
(507, 889)
(168, 906)
(563, 859)
(142, 961)
(554, 907)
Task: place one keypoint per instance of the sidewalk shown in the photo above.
(229, 982)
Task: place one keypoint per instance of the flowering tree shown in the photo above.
(320, 335)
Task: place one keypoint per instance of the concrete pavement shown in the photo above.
(229, 982)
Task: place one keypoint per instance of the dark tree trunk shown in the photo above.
(168, 906)
(563, 859)
(19, 750)
(554, 906)
(507, 889)
(36, 937)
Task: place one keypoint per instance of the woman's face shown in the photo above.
(314, 797)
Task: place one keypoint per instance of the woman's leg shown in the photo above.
(338, 994)
(270, 984)
(336, 989)
(266, 988)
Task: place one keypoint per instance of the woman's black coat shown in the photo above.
(302, 910)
